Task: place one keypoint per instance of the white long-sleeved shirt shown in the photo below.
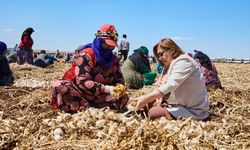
(186, 84)
(124, 45)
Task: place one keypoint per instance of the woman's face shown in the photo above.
(165, 56)
(106, 46)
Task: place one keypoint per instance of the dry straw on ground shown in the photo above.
(27, 121)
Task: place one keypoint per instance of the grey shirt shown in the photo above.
(42, 56)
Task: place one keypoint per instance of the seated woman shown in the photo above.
(44, 60)
(6, 77)
(182, 92)
(208, 69)
(94, 77)
(68, 58)
(12, 57)
(136, 69)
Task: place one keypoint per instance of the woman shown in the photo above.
(208, 69)
(6, 77)
(44, 60)
(182, 92)
(25, 47)
(93, 77)
(136, 69)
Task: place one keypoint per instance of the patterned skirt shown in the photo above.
(67, 97)
(24, 55)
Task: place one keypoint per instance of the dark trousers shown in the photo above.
(124, 54)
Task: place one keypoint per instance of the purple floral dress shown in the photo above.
(85, 90)
(211, 76)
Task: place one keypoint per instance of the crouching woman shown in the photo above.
(136, 69)
(94, 77)
(6, 77)
(182, 92)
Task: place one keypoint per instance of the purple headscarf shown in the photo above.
(104, 57)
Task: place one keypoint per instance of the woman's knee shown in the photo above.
(158, 112)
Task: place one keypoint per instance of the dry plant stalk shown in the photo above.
(27, 121)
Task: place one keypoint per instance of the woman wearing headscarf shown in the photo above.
(208, 69)
(6, 77)
(25, 52)
(44, 60)
(136, 69)
(94, 78)
(182, 91)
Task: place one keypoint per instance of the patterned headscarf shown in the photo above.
(108, 33)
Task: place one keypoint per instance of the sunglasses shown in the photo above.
(163, 53)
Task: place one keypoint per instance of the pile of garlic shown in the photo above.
(33, 83)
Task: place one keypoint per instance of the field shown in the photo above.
(27, 121)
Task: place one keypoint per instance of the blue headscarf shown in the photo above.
(104, 57)
(3, 47)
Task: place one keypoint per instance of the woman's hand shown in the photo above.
(158, 101)
(144, 100)
(117, 91)
(109, 89)
(157, 83)
(141, 102)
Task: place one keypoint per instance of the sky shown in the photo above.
(219, 28)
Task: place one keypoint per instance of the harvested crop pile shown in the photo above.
(27, 121)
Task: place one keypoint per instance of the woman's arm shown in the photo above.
(145, 99)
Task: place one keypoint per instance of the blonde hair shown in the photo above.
(167, 44)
